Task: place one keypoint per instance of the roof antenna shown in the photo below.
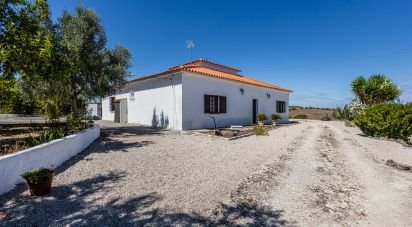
(190, 45)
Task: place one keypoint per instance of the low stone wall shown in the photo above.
(53, 153)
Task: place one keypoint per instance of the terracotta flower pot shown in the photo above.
(41, 187)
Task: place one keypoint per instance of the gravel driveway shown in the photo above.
(140, 176)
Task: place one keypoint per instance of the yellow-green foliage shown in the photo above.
(262, 117)
(386, 120)
(260, 130)
(301, 116)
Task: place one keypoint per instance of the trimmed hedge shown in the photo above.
(387, 120)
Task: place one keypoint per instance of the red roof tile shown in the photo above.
(212, 69)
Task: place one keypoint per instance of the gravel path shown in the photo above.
(313, 173)
(332, 177)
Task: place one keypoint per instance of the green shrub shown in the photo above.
(386, 120)
(301, 116)
(260, 130)
(342, 114)
(47, 136)
(275, 117)
(38, 175)
(74, 122)
(262, 117)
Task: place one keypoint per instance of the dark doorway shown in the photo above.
(254, 110)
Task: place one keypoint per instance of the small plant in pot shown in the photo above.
(39, 181)
(275, 118)
(261, 117)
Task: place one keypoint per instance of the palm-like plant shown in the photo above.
(376, 89)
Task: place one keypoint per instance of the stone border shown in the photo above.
(224, 138)
(51, 154)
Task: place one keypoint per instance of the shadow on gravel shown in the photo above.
(127, 131)
(104, 144)
(83, 203)
(108, 144)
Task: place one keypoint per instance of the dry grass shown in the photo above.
(313, 114)
(15, 139)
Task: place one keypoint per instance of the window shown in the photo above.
(215, 104)
(280, 106)
(112, 108)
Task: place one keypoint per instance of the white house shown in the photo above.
(94, 109)
(187, 96)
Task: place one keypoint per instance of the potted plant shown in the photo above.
(275, 118)
(39, 181)
(261, 117)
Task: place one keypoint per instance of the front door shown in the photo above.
(117, 112)
(123, 111)
(254, 110)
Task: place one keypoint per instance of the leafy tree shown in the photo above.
(25, 37)
(375, 90)
(95, 70)
(8, 92)
(28, 55)
(59, 67)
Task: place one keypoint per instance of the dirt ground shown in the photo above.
(333, 176)
(309, 174)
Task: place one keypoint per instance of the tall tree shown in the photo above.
(62, 65)
(376, 89)
(26, 48)
(95, 70)
(25, 37)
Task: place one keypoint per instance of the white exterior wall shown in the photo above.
(238, 108)
(92, 109)
(51, 154)
(157, 102)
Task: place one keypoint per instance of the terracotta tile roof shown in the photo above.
(212, 69)
(203, 62)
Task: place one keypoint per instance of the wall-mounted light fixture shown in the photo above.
(132, 95)
(268, 95)
(242, 91)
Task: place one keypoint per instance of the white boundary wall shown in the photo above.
(53, 153)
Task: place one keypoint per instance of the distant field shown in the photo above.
(314, 114)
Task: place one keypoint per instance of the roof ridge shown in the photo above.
(190, 67)
(205, 60)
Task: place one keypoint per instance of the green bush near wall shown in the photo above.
(387, 120)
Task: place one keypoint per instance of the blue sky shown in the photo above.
(313, 47)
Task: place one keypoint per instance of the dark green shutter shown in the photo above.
(215, 103)
(222, 104)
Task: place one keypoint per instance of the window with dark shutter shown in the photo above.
(214, 104)
(112, 108)
(222, 104)
(280, 106)
(207, 104)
